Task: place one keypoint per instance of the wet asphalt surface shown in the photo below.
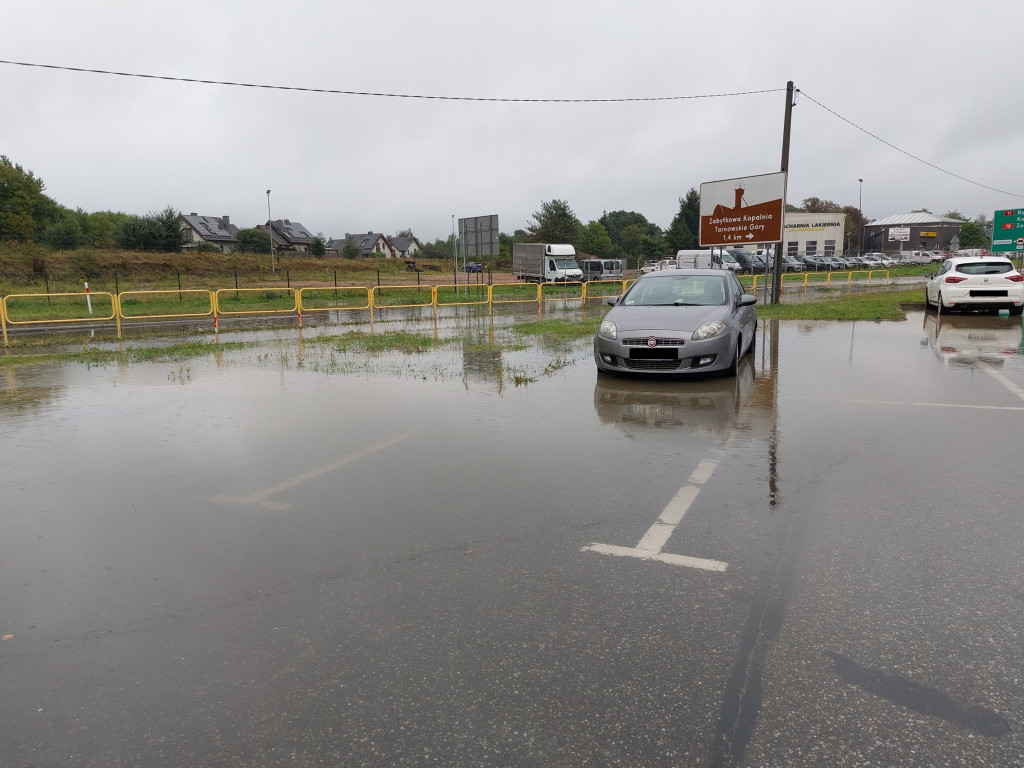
(277, 558)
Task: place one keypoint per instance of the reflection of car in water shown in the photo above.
(707, 406)
(967, 339)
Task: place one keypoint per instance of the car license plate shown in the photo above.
(657, 353)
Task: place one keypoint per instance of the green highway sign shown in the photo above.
(1008, 230)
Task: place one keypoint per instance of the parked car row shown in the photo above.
(744, 261)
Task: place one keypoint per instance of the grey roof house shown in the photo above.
(406, 247)
(290, 235)
(216, 230)
(370, 244)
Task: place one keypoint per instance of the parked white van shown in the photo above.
(699, 259)
(601, 269)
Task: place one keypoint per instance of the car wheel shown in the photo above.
(753, 341)
(1017, 310)
(927, 303)
(734, 367)
(939, 309)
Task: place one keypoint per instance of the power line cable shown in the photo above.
(908, 154)
(377, 94)
(380, 94)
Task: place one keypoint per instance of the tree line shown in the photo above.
(28, 214)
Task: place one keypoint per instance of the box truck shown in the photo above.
(545, 263)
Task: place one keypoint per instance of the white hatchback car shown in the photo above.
(976, 282)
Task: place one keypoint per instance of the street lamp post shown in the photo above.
(270, 231)
(860, 210)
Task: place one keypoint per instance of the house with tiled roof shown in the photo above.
(215, 230)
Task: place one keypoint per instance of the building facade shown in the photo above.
(919, 231)
(813, 234)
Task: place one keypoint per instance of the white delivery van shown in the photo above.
(601, 269)
(699, 259)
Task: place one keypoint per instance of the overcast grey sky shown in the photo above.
(938, 79)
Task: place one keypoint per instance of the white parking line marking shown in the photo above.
(904, 403)
(261, 497)
(658, 534)
(1001, 379)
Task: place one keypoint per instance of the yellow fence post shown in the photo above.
(3, 320)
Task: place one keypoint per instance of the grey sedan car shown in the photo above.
(678, 321)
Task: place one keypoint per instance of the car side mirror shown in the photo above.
(746, 300)
(612, 301)
(929, 275)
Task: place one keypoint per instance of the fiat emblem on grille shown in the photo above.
(652, 342)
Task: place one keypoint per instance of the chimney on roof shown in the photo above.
(226, 220)
(193, 214)
(739, 196)
(369, 233)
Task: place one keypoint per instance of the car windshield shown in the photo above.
(566, 264)
(984, 268)
(681, 290)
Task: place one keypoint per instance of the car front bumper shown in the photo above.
(671, 354)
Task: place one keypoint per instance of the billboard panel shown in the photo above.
(478, 237)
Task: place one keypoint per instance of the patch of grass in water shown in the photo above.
(390, 341)
(94, 356)
(560, 329)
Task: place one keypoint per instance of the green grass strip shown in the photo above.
(877, 305)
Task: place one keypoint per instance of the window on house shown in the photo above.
(830, 247)
(792, 249)
(811, 247)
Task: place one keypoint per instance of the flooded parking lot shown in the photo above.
(484, 554)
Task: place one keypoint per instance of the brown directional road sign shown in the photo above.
(745, 210)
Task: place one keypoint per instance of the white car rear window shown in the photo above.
(984, 268)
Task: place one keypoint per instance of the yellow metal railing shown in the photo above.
(603, 289)
(521, 293)
(200, 300)
(78, 309)
(39, 308)
(561, 291)
(461, 295)
(257, 301)
(348, 297)
(398, 296)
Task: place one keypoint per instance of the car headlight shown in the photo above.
(709, 330)
(608, 330)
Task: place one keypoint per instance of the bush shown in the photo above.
(252, 240)
(85, 263)
(64, 235)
